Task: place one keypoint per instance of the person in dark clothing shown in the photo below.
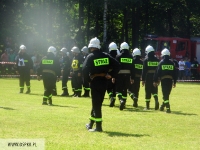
(76, 72)
(194, 70)
(176, 66)
(24, 67)
(95, 69)
(149, 66)
(50, 70)
(166, 73)
(86, 85)
(126, 74)
(111, 87)
(135, 87)
(65, 70)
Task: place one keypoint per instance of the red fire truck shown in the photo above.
(179, 47)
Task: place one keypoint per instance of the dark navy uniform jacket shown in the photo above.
(98, 62)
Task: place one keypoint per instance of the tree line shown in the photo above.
(42, 23)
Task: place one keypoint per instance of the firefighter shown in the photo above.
(24, 67)
(111, 87)
(135, 87)
(49, 68)
(149, 66)
(65, 70)
(126, 74)
(166, 73)
(95, 69)
(86, 86)
(76, 69)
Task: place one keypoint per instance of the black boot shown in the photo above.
(156, 103)
(50, 102)
(162, 107)
(44, 101)
(122, 104)
(78, 94)
(90, 125)
(54, 93)
(112, 101)
(28, 90)
(98, 127)
(135, 100)
(168, 108)
(147, 105)
(86, 94)
(21, 90)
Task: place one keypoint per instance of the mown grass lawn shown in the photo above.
(62, 126)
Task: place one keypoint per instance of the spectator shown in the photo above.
(181, 64)
(176, 66)
(36, 60)
(187, 69)
(194, 71)
(4, 58)
(11, 57)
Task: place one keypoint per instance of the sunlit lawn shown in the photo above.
(63, 125)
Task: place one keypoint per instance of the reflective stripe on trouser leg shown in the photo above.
(96, 119)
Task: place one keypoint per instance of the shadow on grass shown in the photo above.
(54, 105)
(132, 109)
(7, 108)
(124, 134)
(181, 113)
(35, 94)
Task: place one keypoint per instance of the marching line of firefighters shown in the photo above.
(117, 72)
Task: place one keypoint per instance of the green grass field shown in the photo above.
(62, 126)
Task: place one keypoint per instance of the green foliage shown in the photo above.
(63, 125)
(39, 24)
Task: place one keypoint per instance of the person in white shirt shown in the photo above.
(181, 64)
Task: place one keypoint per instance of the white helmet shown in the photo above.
(112, 46)
(136, 52)
(85, 50)
(148, 49)
(124, 45)
(52, 50)
(22, 47)
(94, 42)
(75, 49)
(164, 52)
(64, 50)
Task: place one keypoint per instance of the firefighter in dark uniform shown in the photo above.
(49, 68)
(166, 73)
(65, 71)
(24, 67)
(111, 87)
(95, 68)
(76, 72)
(126, 74)
(135, 87)
(86, 86)
(149, 66)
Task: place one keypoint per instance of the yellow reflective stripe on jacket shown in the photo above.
(152, 63)
(47, 62)
(126, 60)
(167, 67)
(101, 62)
(138, 66)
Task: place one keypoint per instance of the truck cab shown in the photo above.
(179, 47)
